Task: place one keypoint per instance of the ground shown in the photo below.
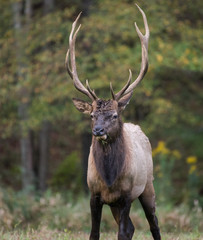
(46, 234)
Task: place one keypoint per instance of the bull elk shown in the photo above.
(120, 167)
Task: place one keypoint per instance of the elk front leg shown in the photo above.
(129, 226)
(96, 211)
(121, 211)
(147, 200)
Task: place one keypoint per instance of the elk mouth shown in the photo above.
(103, 137)
(100, 135)
(99, 132)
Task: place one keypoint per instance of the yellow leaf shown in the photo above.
(192, 169)
(191, 160)
(159, 58)
(176, 154)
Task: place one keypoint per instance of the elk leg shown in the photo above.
(121, 214)
(116, 215)
(96, 212)
(147, 200)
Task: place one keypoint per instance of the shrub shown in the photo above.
(68, 174)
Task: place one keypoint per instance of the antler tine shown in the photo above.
(68, 65)
(90, 90)
(72, 70)
(112, 92)
(144, 39)
(119, 94)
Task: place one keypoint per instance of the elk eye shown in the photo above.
(115, 116)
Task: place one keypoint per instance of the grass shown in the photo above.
(28, 217)
(46, 234)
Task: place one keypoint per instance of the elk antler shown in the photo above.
(144, 39)
(72, 70)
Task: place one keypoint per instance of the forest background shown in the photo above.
(44, 141)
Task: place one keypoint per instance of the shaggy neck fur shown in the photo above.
(109, 157)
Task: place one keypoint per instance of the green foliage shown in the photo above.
(57, 213)
(168, 184)
(168, 103)
(164, 161)
(68, 174)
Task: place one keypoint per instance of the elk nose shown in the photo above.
(98, 131)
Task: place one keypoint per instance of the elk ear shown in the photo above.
(123, 102)
(82, 106)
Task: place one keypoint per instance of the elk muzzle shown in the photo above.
(99, 132)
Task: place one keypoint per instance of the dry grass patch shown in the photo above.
(46, 234)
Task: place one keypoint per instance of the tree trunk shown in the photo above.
(25, 139)
(48, 6)
(44, 154)
(27, 163)
(45, 128)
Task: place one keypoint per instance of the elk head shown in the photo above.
(105, 114)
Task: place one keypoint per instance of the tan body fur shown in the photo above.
(137, 170)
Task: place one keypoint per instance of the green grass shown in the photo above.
(27, 217)
(46, 234)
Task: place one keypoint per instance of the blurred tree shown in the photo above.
(24, 95)
(45, 127)
(48, 6)
(167, 104)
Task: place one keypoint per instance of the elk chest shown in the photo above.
(135, 172)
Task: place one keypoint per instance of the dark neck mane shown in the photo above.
(109, 158)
